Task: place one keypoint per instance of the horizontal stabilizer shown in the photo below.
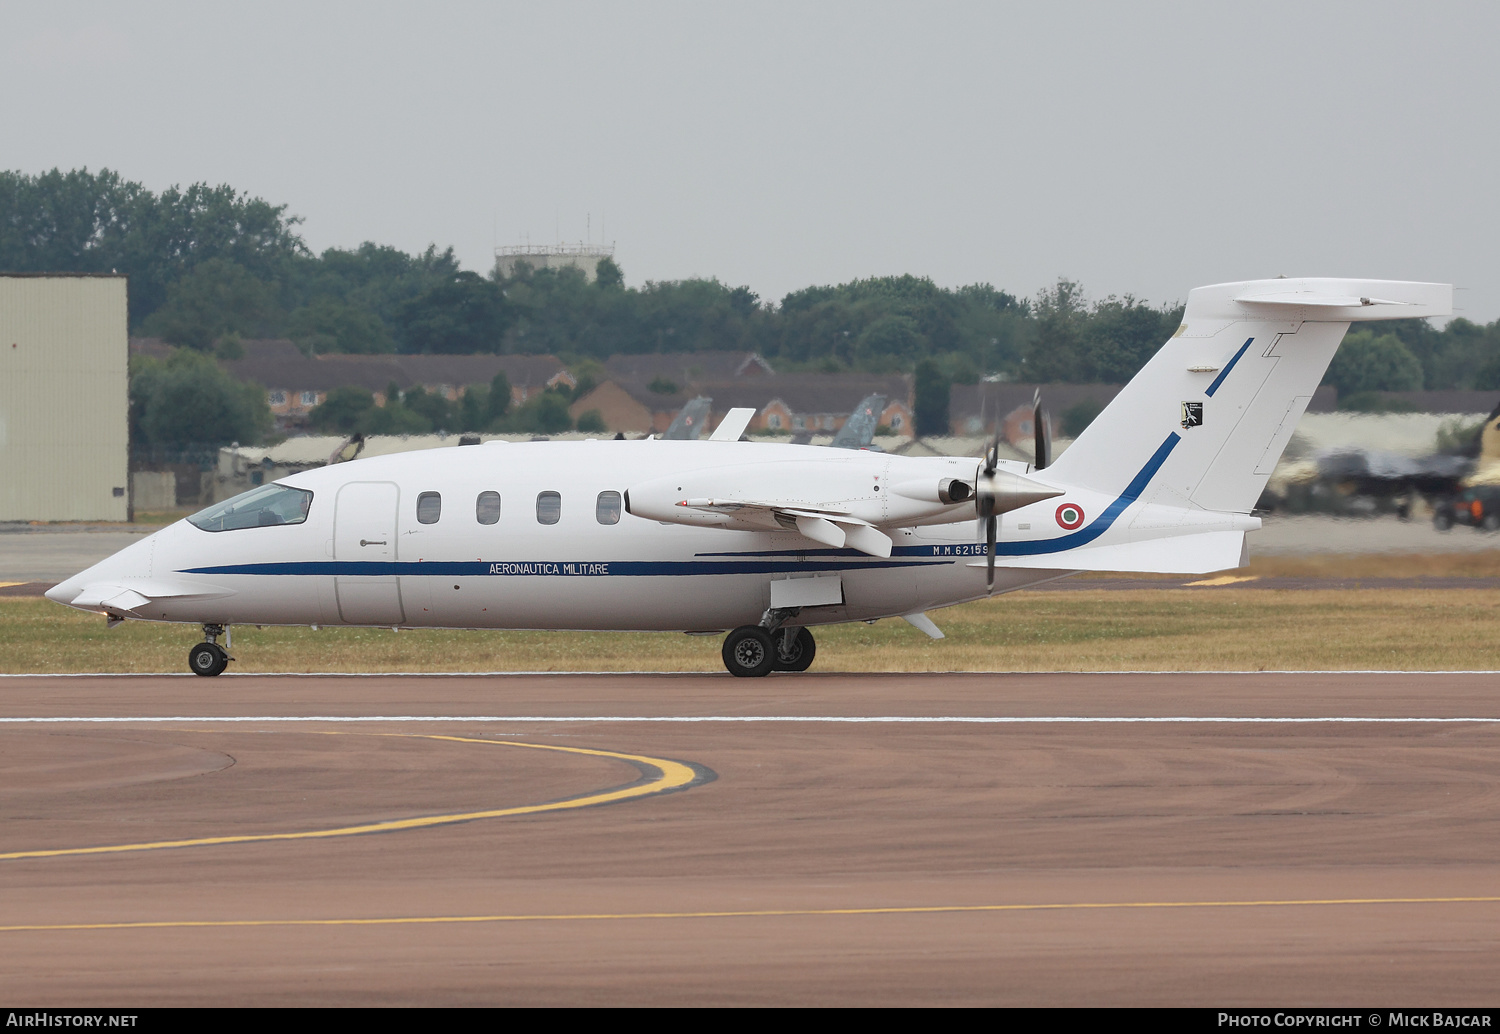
(1320, 299)
(1336, 301)
(1202, 553)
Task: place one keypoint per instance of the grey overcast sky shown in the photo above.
(1140, 148)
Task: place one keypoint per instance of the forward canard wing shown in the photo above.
(126, 598)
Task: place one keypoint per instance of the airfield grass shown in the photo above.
(1226, 629)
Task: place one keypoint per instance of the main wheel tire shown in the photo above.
(207, 659)
(1490, 522)
(800, 656)
(1442, 520)
(748, 652)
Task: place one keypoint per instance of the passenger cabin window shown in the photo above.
(264, 507)
(548, 507)
(429, 507)
(607, 509)
(487, 508)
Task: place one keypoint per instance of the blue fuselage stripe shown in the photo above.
(1227, 367)
(1099, 525)
(526, 568)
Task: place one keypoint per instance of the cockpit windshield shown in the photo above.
(263, 507)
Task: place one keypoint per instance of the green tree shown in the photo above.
(1487, 368)
(187, 399)
(993, 327)
(608, 275)
(1121, 334)
(588, 373)
(345, 409)
(372, 280)
(436, 410)
(397, 418)
(1369, 362)
(1055, 351)
(463, 314)
(85, 222)
(164, 236)
(1464, 355)
(890, 342)
(930, 391)
(471, 410)
(1079, 415)
(58, 221)
(497, 403)
(546, 412)
(329, 324)
(216, 298)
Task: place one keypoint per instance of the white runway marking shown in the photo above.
(752, 719)
(719, 672)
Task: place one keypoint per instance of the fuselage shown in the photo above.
(538, 536)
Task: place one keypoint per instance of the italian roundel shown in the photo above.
(1070, 516)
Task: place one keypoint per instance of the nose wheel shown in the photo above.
(209, 658)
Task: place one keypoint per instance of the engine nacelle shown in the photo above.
(946, 491)
(868, 488)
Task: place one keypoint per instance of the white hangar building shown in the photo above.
(64, 398)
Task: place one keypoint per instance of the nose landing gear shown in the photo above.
(209, 658)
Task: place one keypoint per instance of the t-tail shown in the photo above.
(1175, 464)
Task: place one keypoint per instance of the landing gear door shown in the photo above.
(364, 544)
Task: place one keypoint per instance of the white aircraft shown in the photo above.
(766, 540)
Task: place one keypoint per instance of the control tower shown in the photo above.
(553, 256)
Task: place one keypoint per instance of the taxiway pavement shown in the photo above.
(1029, 839)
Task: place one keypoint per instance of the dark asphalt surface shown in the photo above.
(851, 862)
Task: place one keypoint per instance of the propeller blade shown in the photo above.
(992, 454)
(989, 542)
(1041, 432)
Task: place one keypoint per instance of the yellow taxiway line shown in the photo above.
(670, 775)
(740, 913)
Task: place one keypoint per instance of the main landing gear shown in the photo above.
(751, 651)
(209, 658)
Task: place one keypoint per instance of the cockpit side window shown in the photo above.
(264, 507)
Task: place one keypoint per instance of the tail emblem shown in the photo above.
(1070, 516)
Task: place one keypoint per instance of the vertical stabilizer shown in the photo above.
(1215, 407)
